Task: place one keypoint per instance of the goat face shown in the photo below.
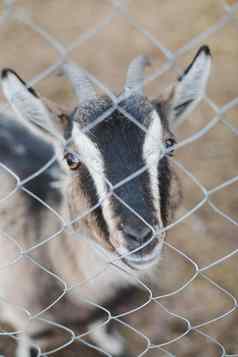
(120, 172)
(119, 166)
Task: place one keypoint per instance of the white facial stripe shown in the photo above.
(151, 155)
(91, 157)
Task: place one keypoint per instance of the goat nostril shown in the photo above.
(148, 235)
(138, 234)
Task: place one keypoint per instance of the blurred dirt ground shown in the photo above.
(205, 236)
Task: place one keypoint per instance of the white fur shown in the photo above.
(27, 107)
(23, 347)
(103, 270)
(151, 154)
(192, 86)
(110, 343)
(92, 158)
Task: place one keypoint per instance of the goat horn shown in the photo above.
(135, 74)
(82, 85)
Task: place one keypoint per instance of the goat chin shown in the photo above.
(122, 257)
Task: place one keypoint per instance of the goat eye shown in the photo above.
(72, 160)
(168, 144)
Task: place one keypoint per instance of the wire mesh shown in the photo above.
(203, 329)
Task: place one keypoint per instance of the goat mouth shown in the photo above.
(140, 261)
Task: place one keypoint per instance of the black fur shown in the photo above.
(137, 106)
(88, 186)
(164, 170)
(120, 143)
(123, 299)
(25, 153)
(164, 173)
(33, 352)
(160, 108)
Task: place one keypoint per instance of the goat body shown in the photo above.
(76, 232)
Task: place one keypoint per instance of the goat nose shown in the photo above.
(139, 234)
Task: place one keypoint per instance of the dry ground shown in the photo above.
(205, 236)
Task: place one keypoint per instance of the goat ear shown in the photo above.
(189, 89)
(38, 114)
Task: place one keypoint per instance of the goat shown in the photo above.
(118, 221)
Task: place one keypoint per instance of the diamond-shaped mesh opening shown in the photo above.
(212, 158)
(205, 236)
(58, 21)
(222, 270)
(197, 344)
(197, 293)
(224, 332)
(114, 39)
(172, 30)
(32, 60)
(225, 201)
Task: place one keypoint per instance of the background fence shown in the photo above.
(193, 312)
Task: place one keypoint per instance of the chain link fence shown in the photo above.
(193, 311)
